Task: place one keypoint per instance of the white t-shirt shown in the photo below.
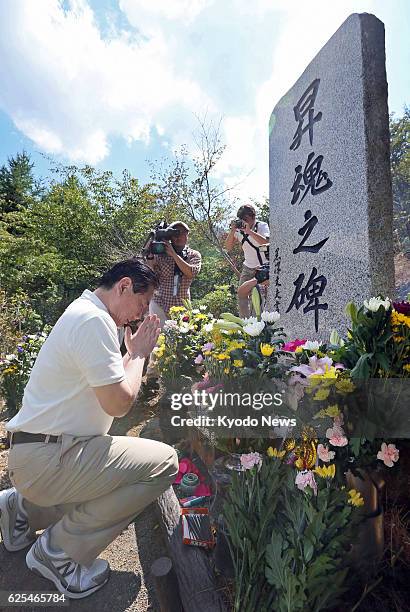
(81, 352)
(251, 257)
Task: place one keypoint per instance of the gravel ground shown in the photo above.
(130, 555)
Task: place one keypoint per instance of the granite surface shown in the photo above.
(350, 203)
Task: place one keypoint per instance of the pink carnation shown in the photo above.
(324, 453)
(335, 434)
(248, 461)
(290, 347)
(306, 479)
(389, 454)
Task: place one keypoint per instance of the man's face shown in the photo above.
(130, 306)
(248, 218)
(178, 242)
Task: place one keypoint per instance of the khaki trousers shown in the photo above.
(89, 488)
(243, 302)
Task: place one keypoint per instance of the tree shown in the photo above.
(17, 184)
(63, 240)
(400, 170)
(190, 183)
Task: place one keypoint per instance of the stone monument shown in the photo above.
(330, 185)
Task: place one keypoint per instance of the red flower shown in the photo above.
(185, 318)
(402, 307)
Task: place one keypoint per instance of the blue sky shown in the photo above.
(116, 82)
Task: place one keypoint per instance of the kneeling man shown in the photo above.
(71, 478)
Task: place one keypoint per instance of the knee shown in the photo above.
(168, 463)
(173, 464)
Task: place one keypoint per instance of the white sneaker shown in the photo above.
(14, 527)
(71, 578)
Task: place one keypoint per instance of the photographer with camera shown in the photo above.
(175, 265)
(254, 238)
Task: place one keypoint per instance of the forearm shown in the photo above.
(262, 240)
(229, 242)
(133, 366)
(185, 267)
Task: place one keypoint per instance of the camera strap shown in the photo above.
(245, 238)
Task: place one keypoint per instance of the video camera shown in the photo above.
(262, 274)
(155, 245)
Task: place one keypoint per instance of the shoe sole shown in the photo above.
(44, 572)
(5, 526)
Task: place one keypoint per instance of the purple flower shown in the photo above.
(208, 346)
(198, 359)
(20, 349)
(402, 307)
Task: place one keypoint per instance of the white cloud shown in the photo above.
(69, 90)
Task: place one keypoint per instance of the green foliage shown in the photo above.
(222, 299)
(16, 317)
(400, 169)
(309, 538)
(15, 370)
(249, 511)
(285, 543)
(377, 345)
(58, 244)
(17, 184)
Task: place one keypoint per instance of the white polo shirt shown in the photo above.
(81, 352)
(251, 257)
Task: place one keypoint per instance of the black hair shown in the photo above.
(141, 275)
(246, 209)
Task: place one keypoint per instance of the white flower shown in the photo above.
(195, 311)
(11, 357)
(270, 317)
(184, 329)
(208, 327)
(311, 345)
(170, 324)
(203, 307)
(254, 329)
(374, 304)
(249, 321)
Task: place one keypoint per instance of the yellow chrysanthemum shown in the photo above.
(321, 394)
(326, 471)
(273, 452)
(330, 411)
(407, 367)
(221, 356)
(266, 349)
(344, 385)
(299, 349)
(355, 498)
(176, 309)
(238, 363)
(226, 370)
(207, 353)
(398, 318)
(200, 316)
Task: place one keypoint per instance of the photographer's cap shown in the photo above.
(177, 224)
